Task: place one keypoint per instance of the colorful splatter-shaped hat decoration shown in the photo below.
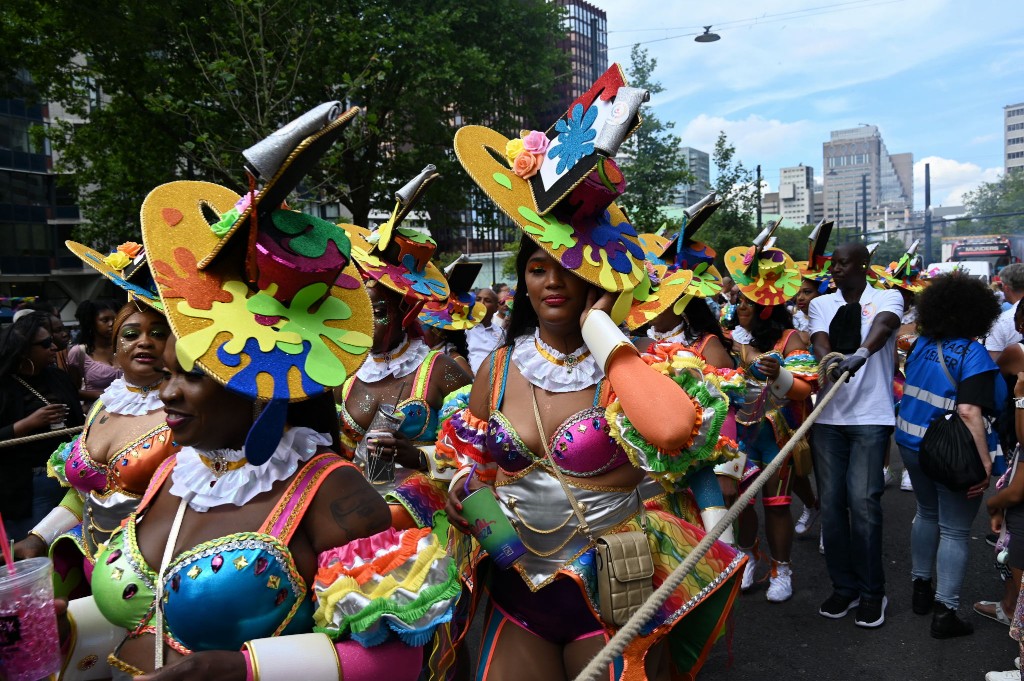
(126, 266)
(461, 311)
(559, 186)
(279, 315)
(905, 273)
(818, 266)
(764, 274)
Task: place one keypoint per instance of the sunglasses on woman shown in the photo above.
(45, 343)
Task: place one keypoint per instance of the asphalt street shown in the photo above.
(791, 641)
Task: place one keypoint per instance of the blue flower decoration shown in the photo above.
(576, 138)
(421, 283)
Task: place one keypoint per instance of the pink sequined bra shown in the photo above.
(581, 446)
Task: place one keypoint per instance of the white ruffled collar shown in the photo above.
(191, 476)
(528, 354)
(673, 335)
(741, 336)
(120, 398)
(406, 359)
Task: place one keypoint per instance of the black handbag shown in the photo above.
(948, 454)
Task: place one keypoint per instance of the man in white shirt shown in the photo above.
(483, 338)
(1004, 331)
(851, 436)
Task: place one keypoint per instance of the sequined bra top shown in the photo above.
(128, 471)
(581, 446)
(421, 420)
(222, 592)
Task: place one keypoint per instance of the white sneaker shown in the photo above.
(1012, 675)
(807, 519)
(905, 483)
(750, 569)
(780, 583)
(887, 478)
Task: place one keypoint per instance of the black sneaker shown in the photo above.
(871, 612)
(924, 596)
(837, 606)
(946, 624)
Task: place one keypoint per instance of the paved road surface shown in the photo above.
(791, 642)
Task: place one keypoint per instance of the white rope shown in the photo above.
(74, 430)
(598, 667)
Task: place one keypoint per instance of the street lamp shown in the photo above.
(707, 36)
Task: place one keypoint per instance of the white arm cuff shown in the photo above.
(783, 384)
(710, 516)
(93, 638)
(300, 656)
(457, 479)
(603, 338)
(733, 468)
(57, 522)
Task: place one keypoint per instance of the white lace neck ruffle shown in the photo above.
(191, 476)
(673, 335)
(555, 378)
(118, 398)
(398, 363)
(741, 336)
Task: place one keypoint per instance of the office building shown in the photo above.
(1013, 136)
(699, 163)
(586, 44)
(863, 183)
(796, 194)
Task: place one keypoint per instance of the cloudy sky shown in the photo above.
(933, 75)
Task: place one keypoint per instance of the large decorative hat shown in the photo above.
(683, 252)
(905, 273)
(818, 265)
(668, 287)
(399, 257)
(461, 311)
(559, 186)
(763, 274)
(127, 266)
(278, 316)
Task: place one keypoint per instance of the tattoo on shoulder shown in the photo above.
(356, 508)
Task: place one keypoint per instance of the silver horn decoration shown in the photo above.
(615, 130)
(265, 157)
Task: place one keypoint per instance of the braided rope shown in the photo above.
(598, 666)
(75, 430)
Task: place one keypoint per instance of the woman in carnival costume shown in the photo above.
(569, 390)
(257, 552)
(815, 280)
(445, 324)
(684, 338)
(779, 372)
(126, 437)
(402, 371)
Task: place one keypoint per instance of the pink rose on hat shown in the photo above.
(535, 142)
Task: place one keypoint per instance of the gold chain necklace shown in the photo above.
(219, 465)
(570, 361)
(32, 390)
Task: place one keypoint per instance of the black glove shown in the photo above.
(850, 363)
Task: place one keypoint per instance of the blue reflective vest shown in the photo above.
(928, 391)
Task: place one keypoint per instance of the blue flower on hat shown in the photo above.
(576, 138)
(612, 240)
(419, 280)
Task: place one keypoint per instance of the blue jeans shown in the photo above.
(941, 530)
(848, 463)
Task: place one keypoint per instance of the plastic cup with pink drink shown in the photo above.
(29, 644)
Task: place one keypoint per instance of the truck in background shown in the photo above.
(998, 250)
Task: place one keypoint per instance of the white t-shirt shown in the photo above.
(1003, 333)
(482, 341)
(867, 399)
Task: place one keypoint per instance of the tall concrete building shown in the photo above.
(699, 163)
(796, 194)
(863, 182)
(1013, 136)
(586, 44)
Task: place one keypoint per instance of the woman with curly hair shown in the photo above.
(947, 367)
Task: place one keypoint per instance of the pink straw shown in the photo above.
(5, 546)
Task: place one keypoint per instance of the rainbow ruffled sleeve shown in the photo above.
(461, 443)
(803, 365)
(393, 585)
(56, 463)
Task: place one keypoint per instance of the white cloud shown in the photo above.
(950, 180)
(754, 138)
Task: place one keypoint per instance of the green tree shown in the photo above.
(656, 166)
(889, 251)
(732, 224)
(1005, 195)
(176, 90)
(793, 240)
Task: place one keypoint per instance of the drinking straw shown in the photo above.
(5, 546)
